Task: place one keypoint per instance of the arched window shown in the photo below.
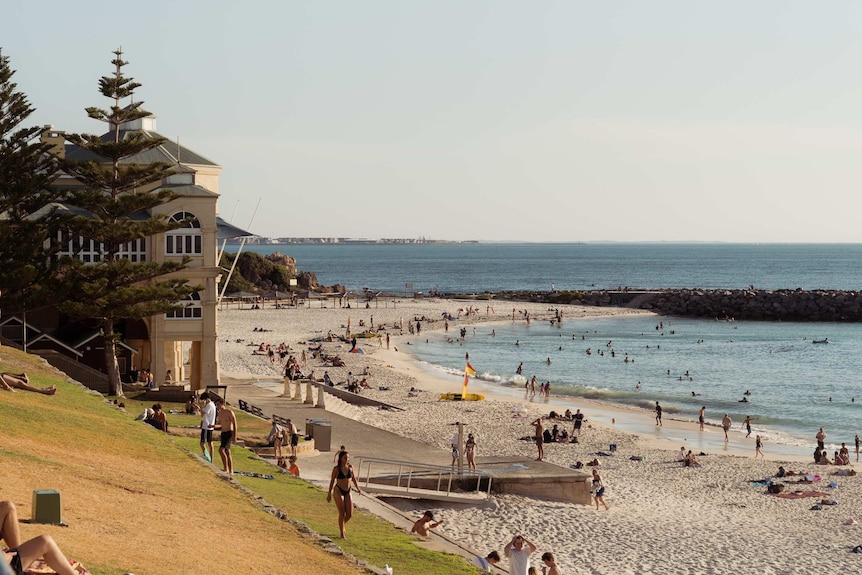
(191, 309)
(187, 240)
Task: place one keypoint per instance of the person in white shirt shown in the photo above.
(208, 418)
(518, 552)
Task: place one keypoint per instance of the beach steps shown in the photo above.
(338, 406)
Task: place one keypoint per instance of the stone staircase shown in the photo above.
(337, 405)
(323, 399)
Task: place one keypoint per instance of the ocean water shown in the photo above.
(791, 379)
(475, 268)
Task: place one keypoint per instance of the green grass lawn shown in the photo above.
(368, 538)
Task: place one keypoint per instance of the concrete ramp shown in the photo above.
(421, 481)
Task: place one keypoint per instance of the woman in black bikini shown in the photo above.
(42, 546)
(342, 475)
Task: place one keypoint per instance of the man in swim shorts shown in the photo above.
(227, 422)
(657, 413)
(208, 418)
(540, 440)
(294, 437)
(725, 424)
(700, 417)
(579, 421)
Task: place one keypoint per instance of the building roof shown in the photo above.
(226, 231)
(47, 337)
(187, 190)
(168, 152)
(98, 334)
(62, 208)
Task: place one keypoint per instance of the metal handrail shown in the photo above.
(424, 469)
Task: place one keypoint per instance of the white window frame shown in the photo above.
(186, 241)
(192, 309)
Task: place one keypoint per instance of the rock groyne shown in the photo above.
(748, 304)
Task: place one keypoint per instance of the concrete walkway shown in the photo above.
(360, 440)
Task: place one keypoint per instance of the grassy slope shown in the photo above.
(136, 500)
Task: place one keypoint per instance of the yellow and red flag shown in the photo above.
(468, 371)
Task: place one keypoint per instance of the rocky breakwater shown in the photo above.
(765, 305)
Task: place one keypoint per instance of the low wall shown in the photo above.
(353, 398)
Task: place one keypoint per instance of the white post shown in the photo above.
(287, 391)
(460, 447)
(309, 397)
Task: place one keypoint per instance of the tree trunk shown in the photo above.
(112, 368)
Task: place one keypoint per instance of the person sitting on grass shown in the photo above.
(13, 381)
(22, 554)
(293, 468)
(157, 419)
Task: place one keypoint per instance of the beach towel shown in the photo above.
(39, 567)
(253, 474)
(800, 494)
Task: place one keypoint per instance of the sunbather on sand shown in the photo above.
(12, 381)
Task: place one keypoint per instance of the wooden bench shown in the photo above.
(282, 421)
(243, 405)
(255, 410)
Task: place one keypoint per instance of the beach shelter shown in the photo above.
(242, 297)
(358, 350)
(276, 295)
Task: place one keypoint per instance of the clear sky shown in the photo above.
(488, 120)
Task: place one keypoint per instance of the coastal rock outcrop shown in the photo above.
(750, 304)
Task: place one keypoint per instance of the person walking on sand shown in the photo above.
(540, 440)
(519, 555)
(579, 422)
(208, 418)
(856, 439)
(342, 476)
(725, 424)
(226, 420)
(821, 439)
(599, 490)
(758, 447)
(747, 425)
(455, 444)
(550, 566)
(657, 413)
(700, 417)
(470, 451)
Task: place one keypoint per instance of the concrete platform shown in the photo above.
(513, 475)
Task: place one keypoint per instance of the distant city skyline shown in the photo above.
(559, 121)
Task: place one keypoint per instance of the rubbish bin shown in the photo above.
(322, 436)
(311, 423)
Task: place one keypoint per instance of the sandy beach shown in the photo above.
(663, 517)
